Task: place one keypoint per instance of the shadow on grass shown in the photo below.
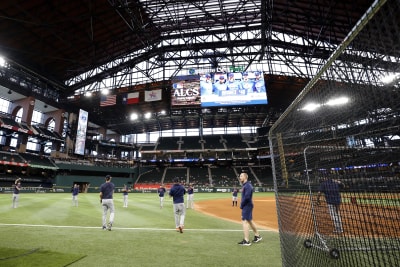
(36, 257)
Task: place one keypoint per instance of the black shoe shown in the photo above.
(109, 225)
(244, 243)
(257, 239)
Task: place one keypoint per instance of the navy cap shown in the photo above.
(222, 77)
(257, 73)
(245, 74)
(208, 75)
(231, 75)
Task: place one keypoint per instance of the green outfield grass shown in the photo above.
(46, 230)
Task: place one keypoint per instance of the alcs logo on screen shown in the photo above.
(181, 91)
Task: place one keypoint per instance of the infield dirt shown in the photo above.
(264, 213)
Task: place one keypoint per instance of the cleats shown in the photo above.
(257, 239)
(244, 243)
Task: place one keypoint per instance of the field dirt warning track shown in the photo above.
(264, 213)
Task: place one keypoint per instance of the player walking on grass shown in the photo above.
(177, 192)
(190, 197)
(75, 192)
(161, 192)
(16, 189)
(107, 202)
(246, 204)
(125, 195)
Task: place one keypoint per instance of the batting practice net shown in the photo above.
(341, 137)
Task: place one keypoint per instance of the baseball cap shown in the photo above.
(208, 75)
(176, 180)
(231, 75)
(221, 77)
(257, 73)
(108, 177)
(245, 74)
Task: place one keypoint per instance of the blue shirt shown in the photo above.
(190, 190)
(75, 191)
(331, 190)
(247, 195)
(161, 191)
(259, 86)
(177, 192)
(235, 192)
(18, 186)
(107, 190)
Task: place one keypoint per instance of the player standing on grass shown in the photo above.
(190, 197)
(177, 192)
(75, 192)
(16, 189)
(106, 198)
(125, 195)
(161, 192)
(247, 205)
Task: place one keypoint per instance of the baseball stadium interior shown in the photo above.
(60, 58)
(90, 88)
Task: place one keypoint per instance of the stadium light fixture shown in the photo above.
(393, 77)
(105, 92)
(311, 107)
(134, 116)
(2, 61)
(147, 115)
(338, 101)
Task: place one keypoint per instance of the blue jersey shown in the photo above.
(235, 193)
(331, 190)
(247, 85)
(190, 190)
(125, 191)
(233, 85)
(247, 195)
(177, 192)
(218, 86)
(75, 191)
(206, 88)
(16, 188)
(161, 191)
(107, 190)
(259, 86)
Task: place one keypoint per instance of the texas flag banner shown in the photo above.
(108, 100)
(130, 98)
(154, 95)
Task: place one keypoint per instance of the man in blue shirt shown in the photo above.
(206, 86)
(177, 193)
(161, 191)
(331, 190)
(259, 85)
(125, 195)
(75, 192)
(190, 197)
(106, 198)
(247, 205)
(220, 85)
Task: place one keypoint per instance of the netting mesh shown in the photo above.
(340, 137)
